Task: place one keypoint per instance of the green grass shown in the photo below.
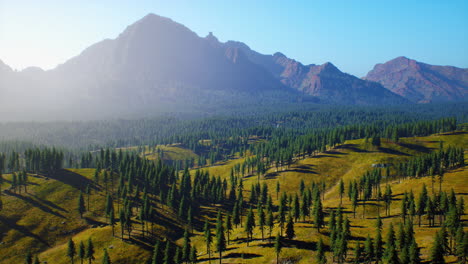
(49, 207)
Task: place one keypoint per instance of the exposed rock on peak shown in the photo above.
(420, 82)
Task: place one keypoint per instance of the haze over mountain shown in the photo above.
(157, 64)
(420, 82)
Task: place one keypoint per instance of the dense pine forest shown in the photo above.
(134, 186)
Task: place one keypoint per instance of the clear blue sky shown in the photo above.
(354, 35)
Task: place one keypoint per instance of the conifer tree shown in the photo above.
(28, 259)
(320, 257)
(156, 256)
(90, 251)
(36, 260)
(81, 252)
(193, 255)
(278, 246)
(437, 250)
(290, 228)
(368, 250)
(228, 226)
(318, 215)
(106, 258)
(81, 205)
(414, 257)
(208, 238)
(186, 247)
(261, 220)
(378, 246)
(249, 225)
(220, 242)
(71, 250)
(270, 222)
(341, 190)
(358, 253)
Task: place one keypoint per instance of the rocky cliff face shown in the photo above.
(420, 82)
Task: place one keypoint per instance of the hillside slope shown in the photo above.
(44, 218)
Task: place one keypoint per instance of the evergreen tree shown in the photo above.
(261, 220)
(186, 247)
(28, 259)
(249, 225)
(358, 253)
(278, 246)
(290, 228)
(71, 251)
(90, 251)
(81, 205)
(106, 258)
(81, 252)
(320, 257)
(193, 255)
(368, 250)
(270, 222)
(414, 257)
(318, 215)
(228, 226)
(208, 238)
(437, 250)
(378, 246)
(341, 190)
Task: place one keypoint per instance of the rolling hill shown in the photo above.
(45, 217)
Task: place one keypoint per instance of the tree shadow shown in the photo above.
(393, 151)
(242, 255)
(49, 203)
(416, 147)
(73, 179)
(22, 230)
(34, 203)
(352, 147)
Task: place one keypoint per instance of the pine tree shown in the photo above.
(193, 255)
(106, 258)
(156, 253)
(278, 247)
(341, 190)
(290, 228)
(320, 257)
(71, 251)
(368, 250)
(90, 251)
(36, 260)
(249, 225)
(378, 246)
(81, 252)
(414, 257)
(186, 247)
(208, 238)
(220, 243)
(358, 253)
(261, 220)
(270, 223)
(228, 226)
(81, 205)
(28, 259)
(318, 215)
(437, 250)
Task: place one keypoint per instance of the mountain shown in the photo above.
(158, 65)
(420, 82)
(325, 81)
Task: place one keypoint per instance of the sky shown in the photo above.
(352, 34)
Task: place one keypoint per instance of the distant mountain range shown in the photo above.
(157, 64)
(420, 82)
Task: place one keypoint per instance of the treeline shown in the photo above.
(172, 127)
